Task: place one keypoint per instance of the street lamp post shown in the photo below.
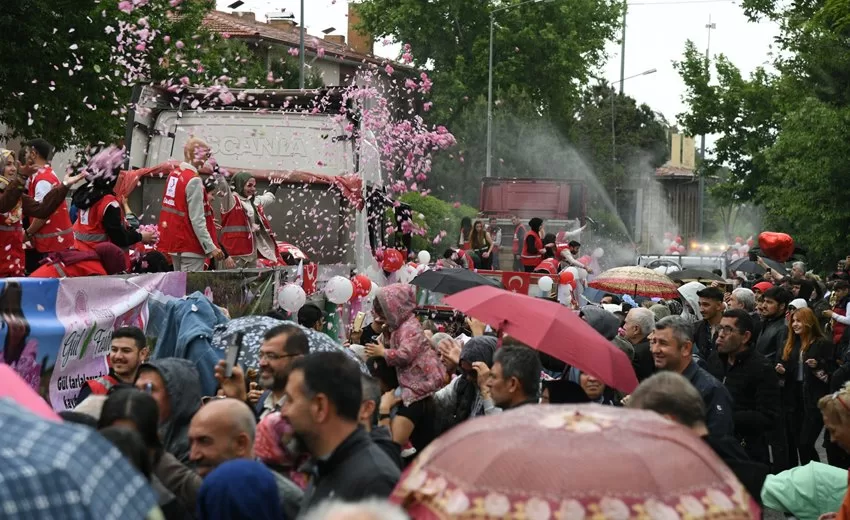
(701, 182)
(613, 113)
(490, 80)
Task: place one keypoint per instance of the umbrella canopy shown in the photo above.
(15, 388)
(451, 281)
(694, 275)
(636, 281)
(57, 470)
(254, 328)
(550, 328)
(745, 265)
(587, 461)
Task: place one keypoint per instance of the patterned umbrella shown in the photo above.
(587, 461)
(255, 327)
(52, 470)
(636, 281)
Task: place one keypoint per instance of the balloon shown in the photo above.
(584, 260)
(545, 284)
(678, 240)
(598, 253)
(362, 285)
(776, 246)
(373, 292)
(407, 273)
(573, 271)
(339, 290)
(393, 260)
(582, 274)
(424, 257)
(681, 249)
(291, 297)
(565, 277)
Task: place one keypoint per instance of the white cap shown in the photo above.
(799, 303)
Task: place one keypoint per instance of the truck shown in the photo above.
(561, 203)
(266, 133)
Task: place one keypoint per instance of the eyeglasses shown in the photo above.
(726, 330)
(271, 356)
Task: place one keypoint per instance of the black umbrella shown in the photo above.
(748, 266)
(450, 281)
(694, 275)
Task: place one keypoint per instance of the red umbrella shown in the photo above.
(550, 328)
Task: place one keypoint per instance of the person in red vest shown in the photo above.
(246, 233)
(54, 233)
(840, 313)
(532, 247)
(216, 186)
(101, 217)
(15, 204)
(519, 239)
(106, 259)
(182, 221)
(550, 264)
(459, 257)
(129, 349)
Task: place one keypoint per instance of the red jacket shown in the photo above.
(531, 259)
(237, 234)
(550, 265)
(56, 233)
(838, 328)
(88, 229)
(176, 234)
(84, 268)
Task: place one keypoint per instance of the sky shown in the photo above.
(656, 32)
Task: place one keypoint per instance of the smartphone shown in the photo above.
(358, 322)
(231, 353)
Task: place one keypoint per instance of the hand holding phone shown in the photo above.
(231, 353)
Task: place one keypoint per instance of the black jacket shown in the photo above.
(382, 437)
(822, 351)
(357, 469)
(703, 339)
(772, 337)
(643, 363)
(718, 402)
(751, 474)
(754, 386)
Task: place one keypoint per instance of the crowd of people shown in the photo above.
(99, 234)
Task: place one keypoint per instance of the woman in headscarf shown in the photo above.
(246, 233)
(239, 490)
(466, 396)
(101, 217)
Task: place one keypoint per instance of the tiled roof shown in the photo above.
(674, 172)
(238, 27)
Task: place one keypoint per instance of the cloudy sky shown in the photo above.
(655, 37)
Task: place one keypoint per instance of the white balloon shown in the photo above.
(582, 274)
(339, 290)
(292, 297)
(598, 253)
(424, 257)
(545, 284)
(575, 270)
(406, 274)
(373, 292)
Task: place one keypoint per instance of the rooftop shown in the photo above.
(674, 172)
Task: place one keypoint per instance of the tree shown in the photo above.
(67, 67)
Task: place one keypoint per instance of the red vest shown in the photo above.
(838, 328)
(11, 244)
(102, 385)
(84, 268)
(461, 255)
(88, 229)
(237, 236)
(56, 233)
(176, 234)
(550, 265)
(531, 259)
(517, 247)
(209, 216)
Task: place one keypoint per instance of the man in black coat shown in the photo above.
(750, 379)
(323, 397)
(705, 332)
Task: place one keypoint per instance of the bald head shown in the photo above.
(221, 430)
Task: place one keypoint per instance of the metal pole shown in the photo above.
(301, 51)
(701, 226)
(490, 102)
(623, 50)
(613, 132)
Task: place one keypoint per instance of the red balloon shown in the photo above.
(393, 260)
(776, 246)
(573, 285)
(565, 277)
(678, 240)
(362, 285)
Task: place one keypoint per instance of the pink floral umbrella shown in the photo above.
(572, 462)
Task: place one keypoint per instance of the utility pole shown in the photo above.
(623, 49)
(709, 26)
(301, 51)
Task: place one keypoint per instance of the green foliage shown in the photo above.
(435, 217)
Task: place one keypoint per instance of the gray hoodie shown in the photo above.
(183, 385)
